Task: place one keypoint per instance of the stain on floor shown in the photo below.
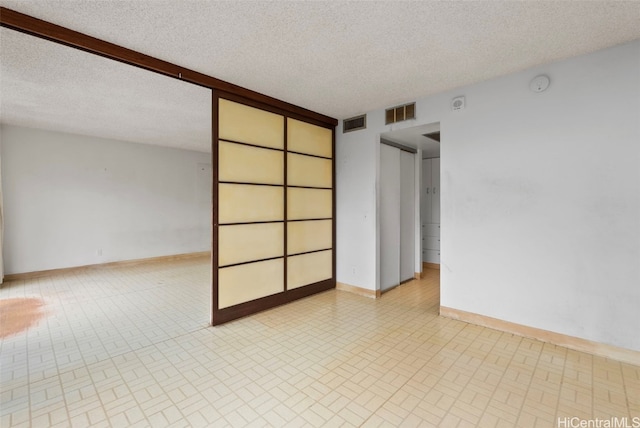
(18, 315)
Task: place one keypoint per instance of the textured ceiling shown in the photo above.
(50, 86)
(345, 58)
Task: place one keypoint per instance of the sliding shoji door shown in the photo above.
(309, 204)
(273, 208)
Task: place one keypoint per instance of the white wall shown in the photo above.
(356, 168)
(540, 197)
(1, 219)
(68, 197)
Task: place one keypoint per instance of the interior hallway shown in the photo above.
(130, 346)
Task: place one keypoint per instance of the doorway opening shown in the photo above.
(409, 226)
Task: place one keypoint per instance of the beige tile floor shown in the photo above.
(130, 346)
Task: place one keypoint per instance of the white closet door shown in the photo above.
(425, 199)
(389, 217)
(435, 186)
(407, 215)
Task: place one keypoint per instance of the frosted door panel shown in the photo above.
(238, 122)
(239, 284)
(309, 171)
(304, 236)
(307, 138)
(244, 203)
(309, 203)
(389, 217)
(247, 242)
(247, 164)
(308, 269)
(407, 216)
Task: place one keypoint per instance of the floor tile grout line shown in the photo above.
(407, 381)
(502, 334)
(487, 354)
(410, 346)
(624, 385)
(539, 353)
(124, 352)
(593, 392)
(55, 358)
(86, 367)
(564, 365)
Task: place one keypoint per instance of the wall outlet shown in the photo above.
(99, 251)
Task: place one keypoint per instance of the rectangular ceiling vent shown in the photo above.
(354, 123)
(433, 135)
(400, 113)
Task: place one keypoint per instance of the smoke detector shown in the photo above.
(539, 83)
(457, 103)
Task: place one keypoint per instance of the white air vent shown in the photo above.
(354, 123)
(400, 113)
